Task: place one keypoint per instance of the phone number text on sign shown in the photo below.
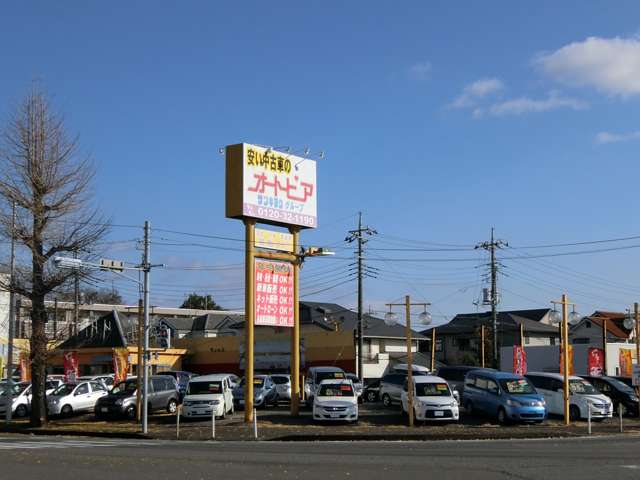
(274, 293)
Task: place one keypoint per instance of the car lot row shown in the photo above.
(334, 394)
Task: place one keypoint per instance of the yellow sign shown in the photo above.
(271, 240)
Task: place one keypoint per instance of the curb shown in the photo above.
(77, 433)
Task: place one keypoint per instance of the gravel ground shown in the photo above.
(376, 422)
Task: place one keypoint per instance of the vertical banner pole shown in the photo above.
(249, 312)
(295, 331)
(482, 346)
(604, 344)
(213, 420)
(565, 355)
(433, 349)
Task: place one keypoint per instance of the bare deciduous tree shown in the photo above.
(45, 176)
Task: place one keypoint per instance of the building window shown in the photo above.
(438, 344)
(587, 324)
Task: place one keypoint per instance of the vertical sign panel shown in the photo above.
(519, 360)
(595, 362)
(274, 293)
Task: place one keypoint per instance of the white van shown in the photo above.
(335, 400)
(206, 394)
(432, 399)
(582, 396)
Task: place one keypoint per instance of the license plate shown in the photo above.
(438, 413)
(335, 415)
(104, 409)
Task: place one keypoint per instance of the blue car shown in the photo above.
(505, 396)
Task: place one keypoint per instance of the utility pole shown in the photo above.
(140, 361)
(146, 268)
(358, 235)
(12, 317)
(491, 248)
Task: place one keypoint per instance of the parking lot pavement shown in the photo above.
(376, 423)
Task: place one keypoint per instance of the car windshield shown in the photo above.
(623, 387)
(581, 387)
(124, 388)
(336, 390)
(432, 390)
(17, 389)
(329, 376)
(64, 389)
(279, 380)
(202, 388)
(517, 386)
(258, 382)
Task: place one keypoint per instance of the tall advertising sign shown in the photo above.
(519, 360)
(274, 293)
(595, 362)
(71, 367)
(270, 186)
(120, 364)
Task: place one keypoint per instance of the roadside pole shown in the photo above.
(145, 360)
(482, 346)
(249, 310)
(12, 318)
(604, 344)
(407, 301)
(433, 349)
(140, 361)
(295, 331)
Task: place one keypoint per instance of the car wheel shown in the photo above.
(502, 417)
(574, 413)
(371, 397)
(21, 411)
(386, 400)
(130, 412)
(66, 411)
(172, 406)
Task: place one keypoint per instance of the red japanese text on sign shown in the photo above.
(274, 293)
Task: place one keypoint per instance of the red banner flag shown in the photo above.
(625, 357)
(596, 362)
(519, 360)
(25, 367)
(71, 364)
(120, 364)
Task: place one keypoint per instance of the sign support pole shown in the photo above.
(249, 310)
(295, 331)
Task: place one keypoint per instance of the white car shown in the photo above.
(582, 396)
(21, 400)
(106, 379)
(335, 400)
(433, 399)
(72, 397)
(208, 394)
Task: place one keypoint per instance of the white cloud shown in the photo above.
(476, 91)
(611, 65)
(420, 70)
(518, 106)
(607, 137)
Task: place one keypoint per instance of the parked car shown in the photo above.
(391, 387)
(163, 394)
(502, 395)
(582, 396)
(283, 386)
(75, 397)
(357, 384)
(21, 403)
(315, 375)
(181, 378)
(622, 395)
(454, 375)
(335, 400)
(432, 399)
(206, 394)
(51, 384)
(626, 380)
(105, 379)
(264, 392)
(371, 392)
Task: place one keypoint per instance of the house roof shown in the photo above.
(106, 331)
(327, 315)
(613, 327)
(508, 320)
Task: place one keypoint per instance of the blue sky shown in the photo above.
(439, 120)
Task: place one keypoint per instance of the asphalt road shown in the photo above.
(601, 458)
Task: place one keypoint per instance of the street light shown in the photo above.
(425, 317)
(574, 317)
(391, 318)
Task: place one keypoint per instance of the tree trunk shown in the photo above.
(38, 361)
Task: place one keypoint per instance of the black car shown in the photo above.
(622, 395)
